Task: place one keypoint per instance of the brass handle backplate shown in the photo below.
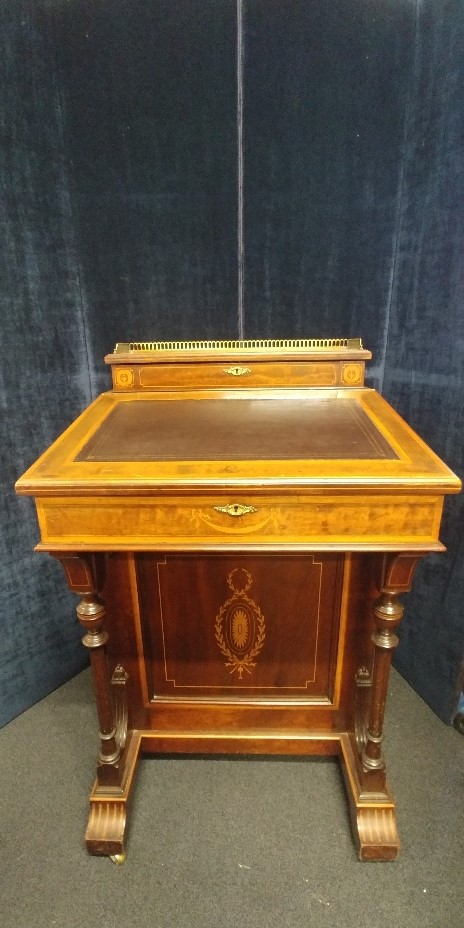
(235, 509)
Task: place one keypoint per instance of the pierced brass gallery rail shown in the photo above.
(239, 344)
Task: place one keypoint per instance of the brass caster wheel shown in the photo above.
(118, 858)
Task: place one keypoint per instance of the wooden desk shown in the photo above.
(239, 520)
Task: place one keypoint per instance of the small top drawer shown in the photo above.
(330, 373)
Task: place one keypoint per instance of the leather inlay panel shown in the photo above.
(238, 429)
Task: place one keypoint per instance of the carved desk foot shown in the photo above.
(106, 826)
(108, 804)
(373, 815)
(377, 834)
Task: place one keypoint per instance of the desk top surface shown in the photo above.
(144, 442)
(242, 429)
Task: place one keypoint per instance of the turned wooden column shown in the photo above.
(397, 572)
(85, 576)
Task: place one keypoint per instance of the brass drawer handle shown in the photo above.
(237, 371)
(235, 509)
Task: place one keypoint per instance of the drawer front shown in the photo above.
(146, 522)
(238, 374)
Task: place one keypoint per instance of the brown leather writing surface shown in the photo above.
(238, 429)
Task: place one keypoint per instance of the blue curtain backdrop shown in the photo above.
(118, 173)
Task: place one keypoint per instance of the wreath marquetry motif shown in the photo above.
(240, 627)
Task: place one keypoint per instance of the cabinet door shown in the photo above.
(240, 625)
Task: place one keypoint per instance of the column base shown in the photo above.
(108, 804)
(373, 814)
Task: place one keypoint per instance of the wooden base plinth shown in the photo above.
(108, 806)
(372, 814)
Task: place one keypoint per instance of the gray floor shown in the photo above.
(223, 842)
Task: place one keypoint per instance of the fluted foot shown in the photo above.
(376, 833)
(105, 828)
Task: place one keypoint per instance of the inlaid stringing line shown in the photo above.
(240, 211)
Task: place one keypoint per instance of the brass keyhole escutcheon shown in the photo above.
(237, 371)
(235, 509)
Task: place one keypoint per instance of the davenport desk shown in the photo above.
(239, 520)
